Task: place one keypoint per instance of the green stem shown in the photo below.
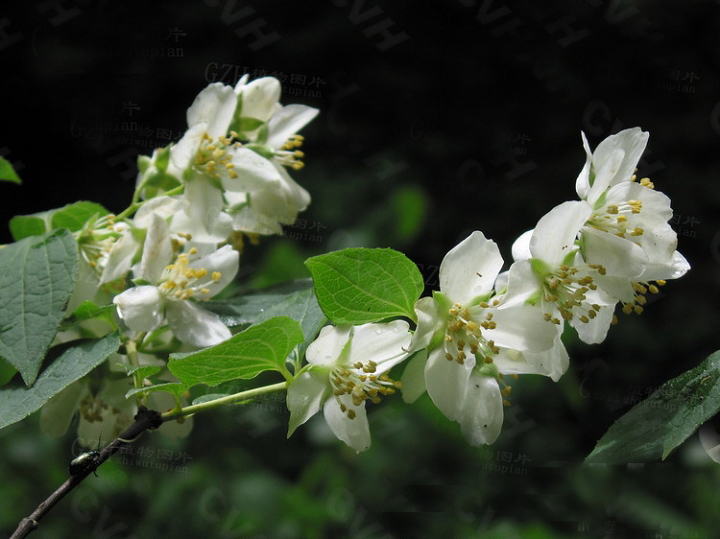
(250, 394)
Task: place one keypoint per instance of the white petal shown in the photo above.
(521, 246)
(297, 197)
(385, 344)
(141, 307)
(354, 432)
(553, 362)
(522, 284)
(260, 98)
(469, 269)
(226, 261)
(595, 330)
(482, 413)
(194, 325)
(429, 322)
(214, 106)
(620, 257)
(287, 122)
(582, 184)
(413, 378)
(329, 345)
(520, 327)
(203, 218)
(162, 206)
(446, 383)
(157, 251)
(632, 143)
(120, 258)
(254, 172)
(304, 397)
(182, 154)
(555, 233)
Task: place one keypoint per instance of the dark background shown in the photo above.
(436, 119)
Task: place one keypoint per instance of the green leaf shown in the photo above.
(37, 277)
(359, 285)
(294, 299)
(23, 226)
(7, 172)
(259, 348)
(656, 426)
(74, 216)
(19, 402)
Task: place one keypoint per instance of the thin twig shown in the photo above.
(145, 419)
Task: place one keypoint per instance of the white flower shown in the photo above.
(277, 199)
(176, 283)
(347, 366)
(473, 340)
(550, 274)
(627, 231)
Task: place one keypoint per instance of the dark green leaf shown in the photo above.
(17, 403)
(656, 426)
(37, 277)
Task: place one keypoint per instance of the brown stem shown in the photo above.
(145, 419)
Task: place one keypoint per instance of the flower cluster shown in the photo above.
(484, 328)
(179, 242)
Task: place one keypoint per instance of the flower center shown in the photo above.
(464, 334)
(96, 241)
(178, 279)
(362, 383)
(213, 156)
(614, 219)
(288, 155)
(567, 290)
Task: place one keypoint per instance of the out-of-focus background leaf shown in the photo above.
(468, 118)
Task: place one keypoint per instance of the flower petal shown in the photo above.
(140, 307)
(555, 233)
(329, 345)
(482, 413)
(519, 327)
(446, 383)
(354, 432)
(413, 378)
(259, 98)
(521, 246)
(304, 397)
(469, 269)
(157, 251)
(619, 257)
(288, 121)
(385, 344)
(214, 107)
(429, 322)
(194, 325)
(225, 262)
